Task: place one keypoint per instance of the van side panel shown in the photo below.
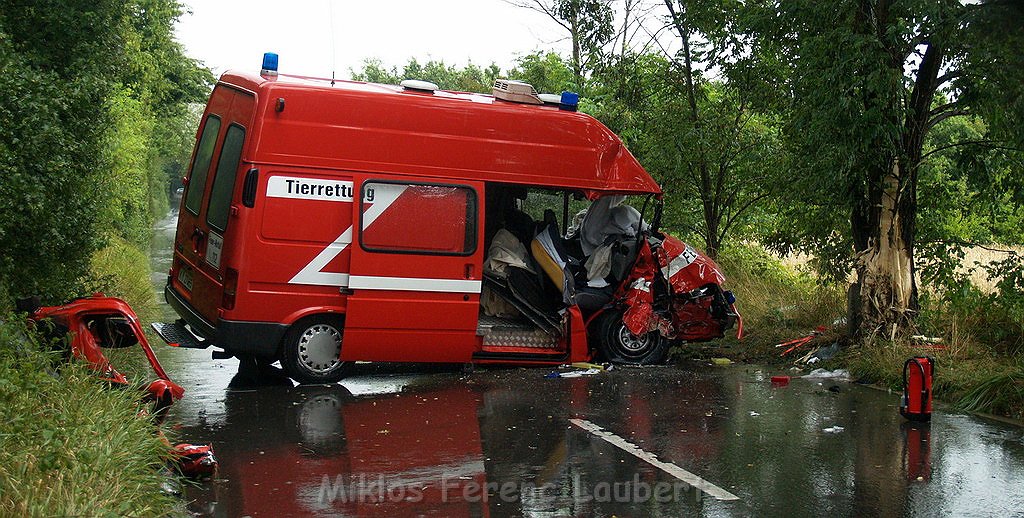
(298, 251)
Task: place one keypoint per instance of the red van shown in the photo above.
(329, 221)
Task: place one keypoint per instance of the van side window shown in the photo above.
(224, 181)
(201, 164)
(418, 218)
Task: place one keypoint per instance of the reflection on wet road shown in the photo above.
(423, 440)
(500, 443)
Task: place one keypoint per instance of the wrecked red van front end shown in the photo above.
(676, 291)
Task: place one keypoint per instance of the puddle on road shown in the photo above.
(499, 443)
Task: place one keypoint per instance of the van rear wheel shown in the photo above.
(610, 336)
(311, 352)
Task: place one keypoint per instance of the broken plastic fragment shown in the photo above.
(838, 374)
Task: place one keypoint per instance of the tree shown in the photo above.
(546, 71)
(589, 24)
(86, 85)
(716, 154)
(871, 79)
(55, 70)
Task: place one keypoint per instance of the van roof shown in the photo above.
(457, 135)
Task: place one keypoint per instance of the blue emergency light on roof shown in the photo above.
(570, 101)
(269, 64)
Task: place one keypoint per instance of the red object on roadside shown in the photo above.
(916, 403)
(96, 323)
(780, 381)
(195, 460)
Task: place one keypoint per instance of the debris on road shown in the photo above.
(721, 362)
(824, 353)
(579, 374)
(799, 342)
(573, 374)
(822, 374)
(780, 381)
(588, 365)
(833, 429)
(194, 460)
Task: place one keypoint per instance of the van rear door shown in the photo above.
(415, 271)
(206, 205)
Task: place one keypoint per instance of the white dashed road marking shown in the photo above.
(667, 467)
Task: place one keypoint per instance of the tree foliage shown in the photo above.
(470, 78)
(589, 26)
(87, 84)
(546, 71)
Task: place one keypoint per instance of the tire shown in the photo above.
(617, 344)
(310, 351)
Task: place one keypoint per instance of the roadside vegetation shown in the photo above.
(879, 140)
(976, 335)
(96, 129)
(68, 445)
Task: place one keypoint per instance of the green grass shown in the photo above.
(68, 445)
(778, 304)
(122, 270)
(974, 379)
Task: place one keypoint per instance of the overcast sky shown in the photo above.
(313, 37)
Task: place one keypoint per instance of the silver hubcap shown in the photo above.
(631, 342)
(320, 348)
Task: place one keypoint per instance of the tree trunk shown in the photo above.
(882, 303)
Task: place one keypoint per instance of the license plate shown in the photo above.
(185, 277)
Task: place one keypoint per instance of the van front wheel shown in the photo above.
(311, 352)
(610, 336)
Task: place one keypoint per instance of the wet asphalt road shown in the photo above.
(415, 442)
(428, 440)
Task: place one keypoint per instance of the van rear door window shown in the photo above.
(224, 181)
(201, 165)
(418, 218)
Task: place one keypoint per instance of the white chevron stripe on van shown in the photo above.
(313, 272)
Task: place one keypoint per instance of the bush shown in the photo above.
(122, 270)
(775, 300)
(68, 446)
(965, 315)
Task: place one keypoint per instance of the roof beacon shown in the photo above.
(269, 65)
(570, 101)
(515, 91)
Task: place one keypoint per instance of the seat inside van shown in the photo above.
(536, 268)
